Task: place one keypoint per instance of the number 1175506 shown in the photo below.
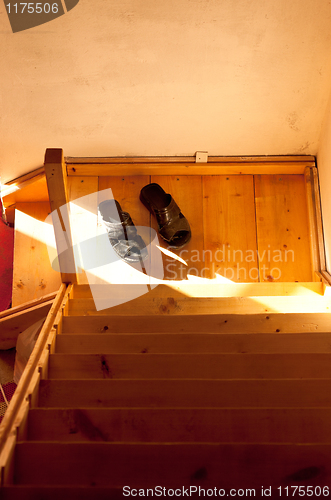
(32, 8)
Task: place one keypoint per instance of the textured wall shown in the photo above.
(152, 77)
(323, 164)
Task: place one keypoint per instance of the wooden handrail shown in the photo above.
(27, 305)
(7, 427)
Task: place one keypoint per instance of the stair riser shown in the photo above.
(193, 343)
(185, 393)
(215, 323)
(191, 366)
(181, 425)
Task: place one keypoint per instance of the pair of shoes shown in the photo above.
(173, 227)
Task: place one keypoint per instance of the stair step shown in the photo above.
(203, 289)
(303, 393)
(189, 366)
(204, 323)
(171, 465)
(194, 343)
(226, 425)
(178, 305)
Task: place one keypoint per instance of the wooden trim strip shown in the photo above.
(327, 277)
(11, 419)
(319, 220)
(189, 159)
(13, 186)
(33, 175)
(229, 168)
(313, 232)
(27, 306)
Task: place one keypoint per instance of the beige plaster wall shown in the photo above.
(165, 77)
(324, 170)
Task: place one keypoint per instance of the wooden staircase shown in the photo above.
(130, 397)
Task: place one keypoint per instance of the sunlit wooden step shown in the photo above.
(203, 305)
(226, 425)
(202, 288)
(185, 393)
(214, 323)
(194, 343)
(189, 366)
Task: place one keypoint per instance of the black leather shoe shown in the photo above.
(173, 227)
(122, 232)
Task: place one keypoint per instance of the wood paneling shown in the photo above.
(33, 275)
(229, 227)
(282, 228)
(82, 214)
(126, 190)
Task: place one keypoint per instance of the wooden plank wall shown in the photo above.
(282, 228)
(246, 228)
(33, 275)
(229, 227)
(77, 188)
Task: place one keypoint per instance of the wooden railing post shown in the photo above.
(56, 177)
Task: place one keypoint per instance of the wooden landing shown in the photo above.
(245, 228)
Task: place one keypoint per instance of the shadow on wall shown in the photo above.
(6, 264)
